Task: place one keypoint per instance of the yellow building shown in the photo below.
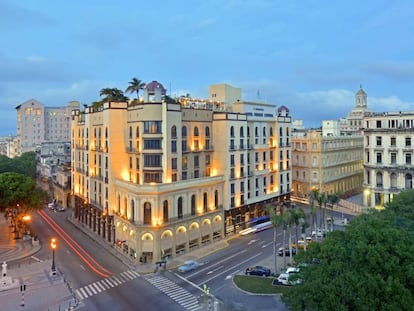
(332, 164)
(159, 178)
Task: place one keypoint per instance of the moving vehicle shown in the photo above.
(258, 270)
(188, 266)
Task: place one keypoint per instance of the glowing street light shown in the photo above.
(53, 245)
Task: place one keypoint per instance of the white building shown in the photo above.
(388, 156)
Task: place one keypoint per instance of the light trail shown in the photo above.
(72, 243)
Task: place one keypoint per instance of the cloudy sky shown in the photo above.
(311, 56)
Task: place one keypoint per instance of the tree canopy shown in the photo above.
(25, 164)
(369, 266)
(17, 189)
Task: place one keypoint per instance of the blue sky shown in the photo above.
(310, 56)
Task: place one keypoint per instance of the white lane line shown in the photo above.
(214, 270)
(216, 263)
(232, 268)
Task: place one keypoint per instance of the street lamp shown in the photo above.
(53, 245)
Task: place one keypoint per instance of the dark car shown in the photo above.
(287, 253)
(257, 270)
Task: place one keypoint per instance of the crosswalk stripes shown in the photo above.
(105, 284)
(175, 292)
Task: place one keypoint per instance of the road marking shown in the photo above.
(217, 263)
(251, 242)
(35, 258)
(266, 245)
(214, 270)
(208, 280)
(175, 292)
(82, 267)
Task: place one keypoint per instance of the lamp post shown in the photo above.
(53, 245)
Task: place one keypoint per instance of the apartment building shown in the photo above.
(388, 156)
(37, 123)
(159, 178)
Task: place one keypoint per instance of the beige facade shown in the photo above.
(330, 164)
(37, 123)
(159, 179)
(388, 154)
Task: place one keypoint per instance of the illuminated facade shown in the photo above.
(388, 156)
(159, 178)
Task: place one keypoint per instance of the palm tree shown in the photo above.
(299, 217)
(320, 198)
(276, 222)
(333, 199)
(134, 86)
(113, 94)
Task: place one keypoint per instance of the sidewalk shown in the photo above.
(43, 291)
(11, 248)
(145, 268)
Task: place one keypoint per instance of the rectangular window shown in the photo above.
(174, 163)
(152, 143)
(196, 161)
(184, 162)
(232, 189)
(184, 176)
(393, 141)
(153, 177)
(408, 141)
(232, 159)
(152, 127)
(196, 174)
(393, 158)
(174, 146)
(378, 124)
(379, 157)
(152, 160)
(379, 140)
(408, 158)
(207, 159)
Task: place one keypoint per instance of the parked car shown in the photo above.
(258, 270)
(188, 266)
(287, 252)
(292, 278)
(319, 233)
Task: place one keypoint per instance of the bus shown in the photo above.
(257, 224)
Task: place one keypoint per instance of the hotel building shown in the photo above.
(161, 177)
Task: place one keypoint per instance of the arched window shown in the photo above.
(196, 131)
(207, 131)
(256, 131)
(137, 132)
(132, 211)
(271, 131)
(184, 131)
(106, 132)
(180, 208)
(173, 131)
(205, 202)
(165, 211)
(147, 213)
(248, 131)
(280, 131)
(216, 198)
(241, 131)
(408, 181)
(287, 131)
(232, 131)
(130, 132)
(193, 205)
(264, 131)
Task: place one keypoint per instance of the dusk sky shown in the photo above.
(310, 56)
